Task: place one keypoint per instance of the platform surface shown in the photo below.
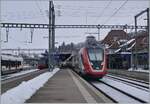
(64, 87)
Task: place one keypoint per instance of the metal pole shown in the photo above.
(132, 59)
(135, 18)
(148, 35)
(148, 20)
(49, 42)
(135, 43)
(53, 33)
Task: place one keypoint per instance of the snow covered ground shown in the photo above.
(141, 94)
(117, 95)
(127, 80)
(26, 89)
(139, 70)
(4, 77)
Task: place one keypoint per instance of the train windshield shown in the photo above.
(95, 54)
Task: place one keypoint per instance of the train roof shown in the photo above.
(11, 57)
(92, 43)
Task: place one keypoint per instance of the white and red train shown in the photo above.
(11, 63)
(91, 59)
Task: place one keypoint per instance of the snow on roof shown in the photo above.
(128, 42)
(106, 46)
(125, 52)
(122, 40)
(40, 55)
(25, 90)
(11, 57)
(118, 42)
(131, 46)
(117, 50)
(110, 46)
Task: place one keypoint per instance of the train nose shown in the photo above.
(96, 65)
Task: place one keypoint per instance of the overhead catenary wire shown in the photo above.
(69, 7)
(132, 22)
(102, 12)
(19, 41)
(83, 8)
(40, 10)
(115, 12)
(20, 15)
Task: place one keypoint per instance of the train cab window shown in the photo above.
(95, 57)
(95, 54)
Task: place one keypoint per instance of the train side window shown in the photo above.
(81, 58)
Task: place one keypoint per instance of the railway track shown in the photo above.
(132, 82)
(129, 78)
(7, 72)
(122, 90)
(15, 81)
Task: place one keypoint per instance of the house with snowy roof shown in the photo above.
(123, 47)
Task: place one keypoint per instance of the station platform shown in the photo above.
(67, 87)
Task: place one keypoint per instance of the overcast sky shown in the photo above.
(67, 12)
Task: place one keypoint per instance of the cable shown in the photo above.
(20, 15)
(83, 9)
(78, 7)
(40, 10)
(103, 11)
(132, 22)
(115, 12)
(16, 40)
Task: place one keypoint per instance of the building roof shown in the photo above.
(115, 38)
(140, 42)
(119, 40)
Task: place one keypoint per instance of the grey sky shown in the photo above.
(67, 12)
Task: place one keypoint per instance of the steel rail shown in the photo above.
(140, 100)
(129, 82)
(133, 79)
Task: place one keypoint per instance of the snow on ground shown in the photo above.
(17, 74)
(132, 81)
(129, 89)
(26, 89)
(139, 70)
(119, 97)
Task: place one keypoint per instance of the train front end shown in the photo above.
(94, 61)
(93, 57)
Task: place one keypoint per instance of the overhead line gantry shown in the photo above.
(46, 26)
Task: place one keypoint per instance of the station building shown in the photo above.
(125, 50)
